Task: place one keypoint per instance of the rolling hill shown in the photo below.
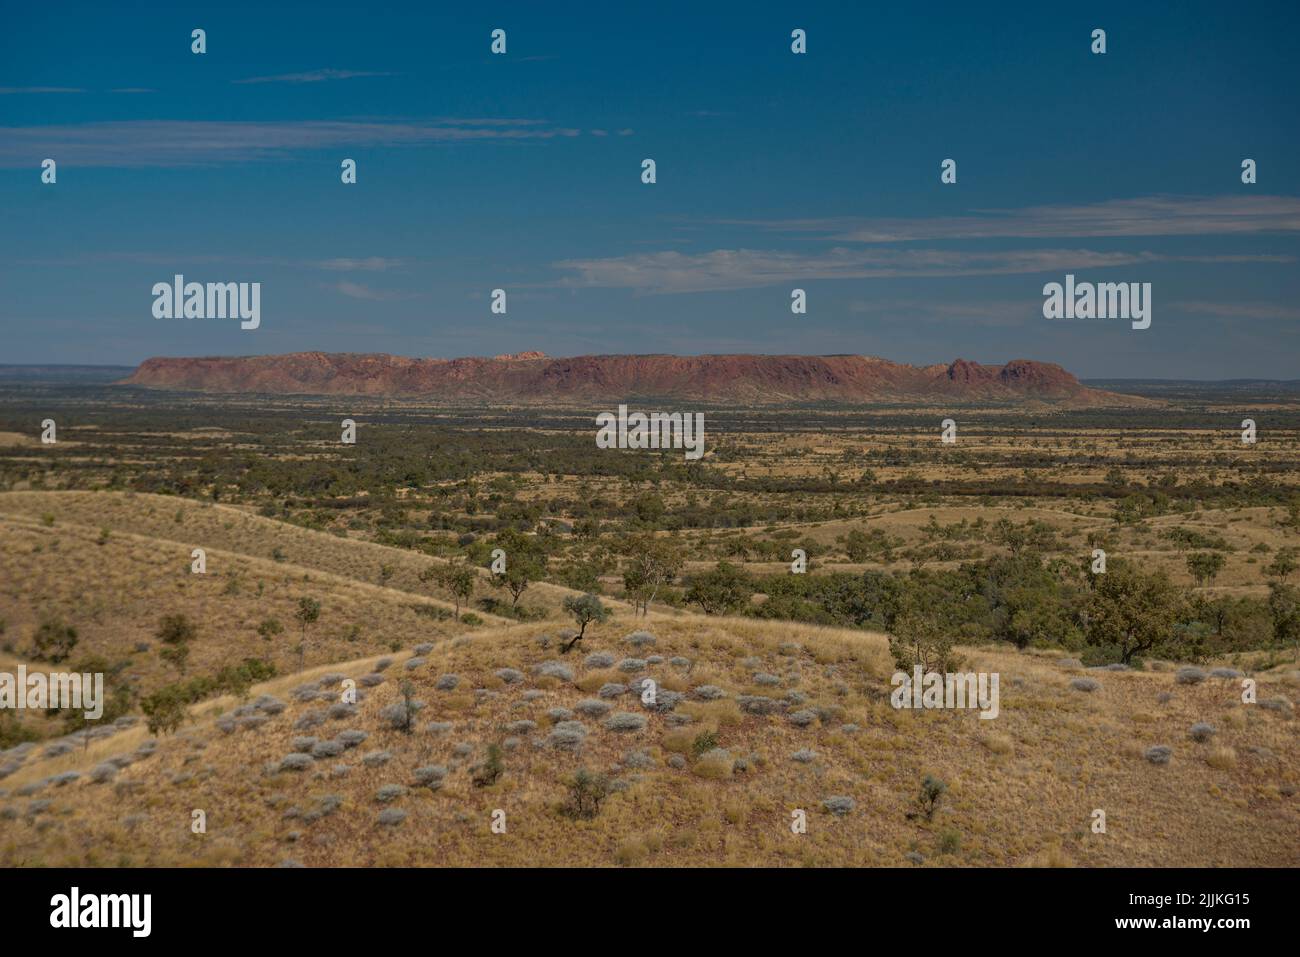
(752, 721)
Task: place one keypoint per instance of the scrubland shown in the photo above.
(698, 780)
(401, 722)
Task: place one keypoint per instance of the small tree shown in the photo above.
(704, 742)
(401, 715)
(919, 637)
(1131, 612)
(525, 564)
(492, 768)
(459, 580)
(165, 709)
(654, 562)
(582, 576)
(177, 655)
(431, 574)
(308, 612)
(238, 681)
(859, 546)
(176, 630)
(585, 610)
(635, 587)
(725, 589)
(269, 628)
(1284, 609)
(1205, 565)
(13, 732)
(54, 641)
(1015, 538)
(932, 792)
(586, 792)
(1283, 565)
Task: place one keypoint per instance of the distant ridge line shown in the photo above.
(535, 378)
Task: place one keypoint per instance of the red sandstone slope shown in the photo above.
(534, 377)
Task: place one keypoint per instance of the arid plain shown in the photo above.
(474, 738)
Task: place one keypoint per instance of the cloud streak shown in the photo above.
(356, 290)
(186, 260)
(370, 264)
(14, 90)
(155, 143)
(1141, 216)
(727, 269)
(313, 76)
(1240, 310)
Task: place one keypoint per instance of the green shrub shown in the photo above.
(587, 791)
(932, 792)
(491, 769)
(704, 742)
(54, 641)
(949, 841)
(176, 630)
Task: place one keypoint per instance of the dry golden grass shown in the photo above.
(117, 592)
(997, 743)
(1222, 758)
(714, 765)
(217, 527)
(1022, 787)
(1030, 804)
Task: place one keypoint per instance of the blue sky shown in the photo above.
(775, 171)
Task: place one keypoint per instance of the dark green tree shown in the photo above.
(585, 610)
(1131, 612)
(54, 641)
(725, 590)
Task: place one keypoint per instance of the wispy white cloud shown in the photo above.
(1141, 216)
(487, 121)
(356, 290)
(722, 269)
(370, 264)
(179, 261)
(11, 90)
(313, 76)
(1239, 310)
(146, 143)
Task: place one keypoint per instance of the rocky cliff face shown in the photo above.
(533, 377)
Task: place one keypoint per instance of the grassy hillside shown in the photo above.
(187, 524)
(752, 721)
